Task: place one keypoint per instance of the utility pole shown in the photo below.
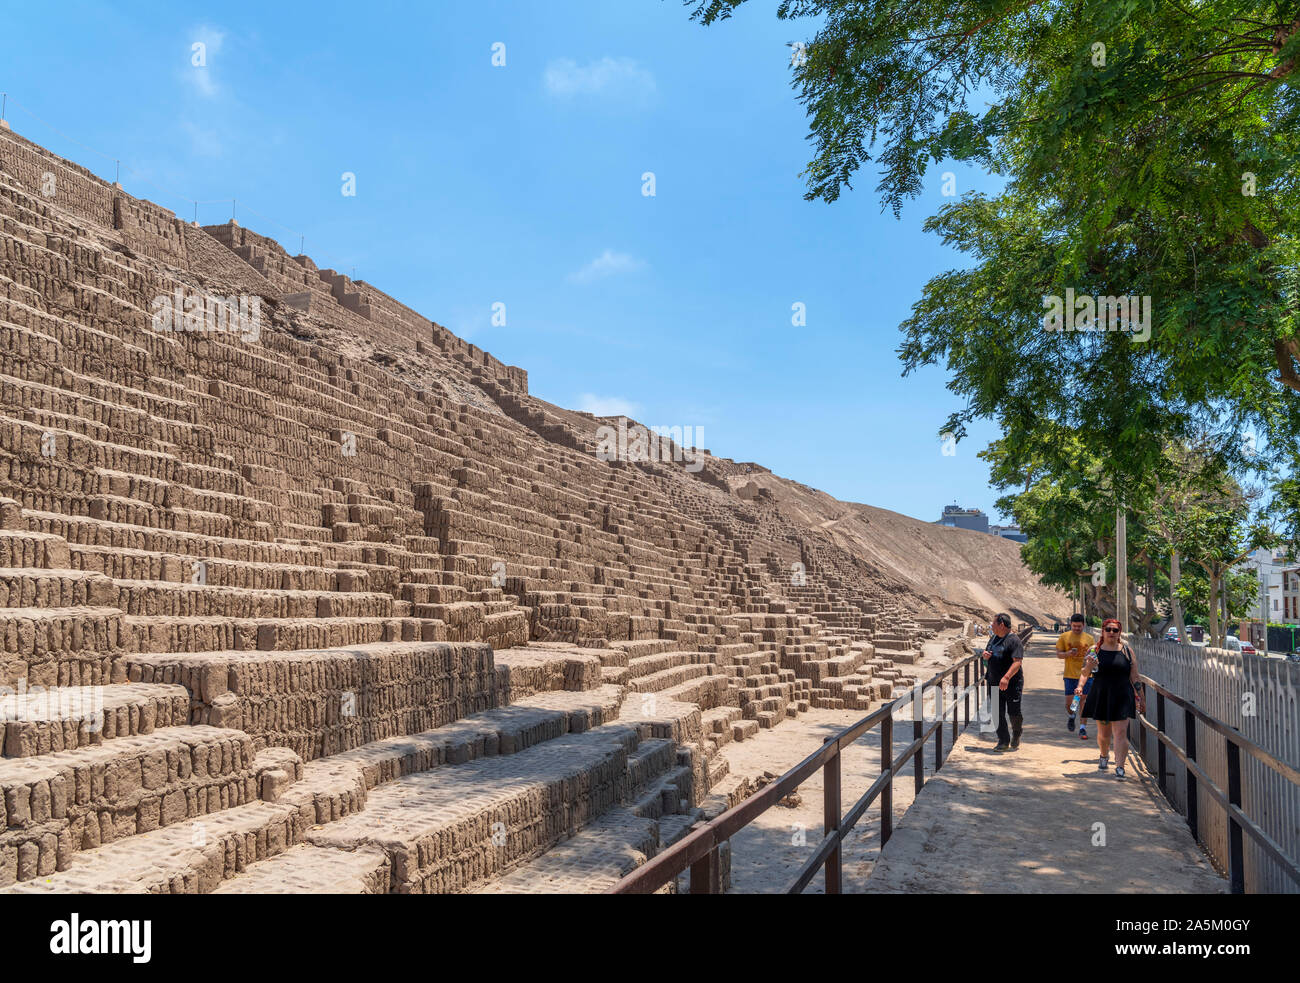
(1265, 561)
(1121, 568)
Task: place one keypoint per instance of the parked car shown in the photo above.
(1171, 633)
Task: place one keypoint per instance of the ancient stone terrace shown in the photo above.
(344, 607)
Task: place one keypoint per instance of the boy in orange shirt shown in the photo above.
(1072, 646)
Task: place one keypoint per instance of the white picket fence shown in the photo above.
(1260, 698)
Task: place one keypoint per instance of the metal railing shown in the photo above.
(1234, 743)
(698, 850)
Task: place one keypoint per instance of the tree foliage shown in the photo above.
(1148, 147)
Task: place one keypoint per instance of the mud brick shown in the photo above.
(449, 620)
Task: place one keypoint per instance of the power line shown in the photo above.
(302, 238)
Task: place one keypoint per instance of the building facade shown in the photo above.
(959, 518)
(1009, 532)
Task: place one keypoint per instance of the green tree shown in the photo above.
(1149, 149)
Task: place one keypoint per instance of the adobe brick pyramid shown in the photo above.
(342, 607)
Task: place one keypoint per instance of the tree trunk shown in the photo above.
(1213, 571)
(1151, 593)
(1175, 575)
(1227, 608)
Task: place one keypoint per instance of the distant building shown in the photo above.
(1009, 532)
(1290, 596)
(1272, 567)
(959, 518)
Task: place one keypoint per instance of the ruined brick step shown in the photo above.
(121, 563)
(322, 702)
(165, 633)
(45, 721)
(307, 869)
(764, 692)
(904, 656)
(194, 857)
(60, 646)
(101, 419)
(124, 488)
(448, 829)
(22, 438)
(118, 398)
(20, 548)
(731, 652)
(651, 760)
(666, 678)
(820, 670)
(424, 593)
(57, 341)
(593, 860)
(188, 600)
(707, 692)
(533, 669)
(655, 715)
(86, 531)
(36, 587)
(646, 665)
(65, 801)
(505, 730)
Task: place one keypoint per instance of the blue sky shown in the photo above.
(522, 184)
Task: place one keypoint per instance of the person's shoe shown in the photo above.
(1002, 747)
(1083, 733)
(1102, 765)
(1119, 771)
(1069, 722)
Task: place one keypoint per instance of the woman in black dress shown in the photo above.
(1113, 699)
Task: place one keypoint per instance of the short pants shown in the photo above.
(1072, 684)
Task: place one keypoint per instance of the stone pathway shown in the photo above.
(1032, 821)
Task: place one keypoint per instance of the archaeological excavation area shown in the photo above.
(319, 598)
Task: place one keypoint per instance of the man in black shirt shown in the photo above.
(1002, 660)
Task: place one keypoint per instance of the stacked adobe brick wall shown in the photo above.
(337, 558)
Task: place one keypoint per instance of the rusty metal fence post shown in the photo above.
(1189, 776)
(918, 730)
(886, 793)
(831, 812)
(1236, 853)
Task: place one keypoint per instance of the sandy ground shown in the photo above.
(767, 854)
(1020, 822)
(1041, 819)
(953, 568)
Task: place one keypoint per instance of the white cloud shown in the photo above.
(607, 405)
(620, 78)
(201, 76)
(608, 263)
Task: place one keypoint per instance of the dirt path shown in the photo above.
(767, 854)
(1033, 820)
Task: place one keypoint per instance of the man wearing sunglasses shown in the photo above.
(1002, 660)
